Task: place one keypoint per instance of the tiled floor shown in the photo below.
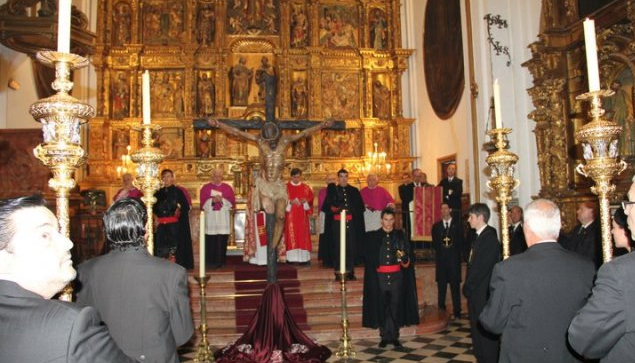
(452, 345)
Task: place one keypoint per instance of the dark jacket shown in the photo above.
(448, 259)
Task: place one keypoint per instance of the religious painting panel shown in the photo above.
(167, 96)
(205, 30)
(342, 143)
(98, 136)
(381, 137)
(299, 95)
(378, 29)
(299, 26)
(381, 96)
(205, 93)
(205, 143)
(120, 143)
(252, 79)
(253, 17)
(339, 26)
(121, 22)
(163, 22)
(120, 95)
(170, 141)
(619, 108)
(340, 95)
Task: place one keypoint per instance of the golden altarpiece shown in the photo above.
(332, 59)
(559, 71)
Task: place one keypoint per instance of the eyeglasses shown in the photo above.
(626, 203)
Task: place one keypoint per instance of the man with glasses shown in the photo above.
(603, 328)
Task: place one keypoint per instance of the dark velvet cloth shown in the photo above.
(373, 315)
(406, 195)
(273, 335)
(174, 235)
(326, 249)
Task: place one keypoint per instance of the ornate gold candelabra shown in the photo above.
(148, 159)
(204, 352)
(61, 116)
(599, 139)
(346, 347)
(502, 163)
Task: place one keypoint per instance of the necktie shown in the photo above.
(581, 230)
(446, 226)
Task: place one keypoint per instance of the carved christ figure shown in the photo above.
(271, 192)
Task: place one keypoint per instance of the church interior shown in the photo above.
(409, 84)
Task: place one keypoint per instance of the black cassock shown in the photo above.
(373, 307)
(173, 237)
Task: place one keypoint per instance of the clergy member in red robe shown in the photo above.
(297, 232)
(217, 201)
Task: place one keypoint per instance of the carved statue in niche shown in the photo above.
(120, 144)
(340, 95)
(299, 27)
(619, 108)
(378, 30)
(163, 23)
(381, 100)
(179, 101)
(339, 26)
(254, 17)
(121, 20)
(120, 97)
(206, 24)
(240, 77)
(175, 27)
(265, 78)
(204, 144)
(205, 95)
(299, 98)
(299, 149)
(152, 24)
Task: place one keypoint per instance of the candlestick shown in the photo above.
(201, 241)
(497, 105)
(145, 82)
(591, 55)
(64, 26)
(343, 241)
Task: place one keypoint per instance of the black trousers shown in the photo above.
(390, 288)
(165, 240)
(215, 250)
(455, 290)
(484, 343)
(351, 250)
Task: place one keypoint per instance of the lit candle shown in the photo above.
(146, 97)
(201, 242)
(343, 241)
(497, 105)
(591, 55)
(64, 26)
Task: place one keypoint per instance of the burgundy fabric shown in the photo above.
(273, 336)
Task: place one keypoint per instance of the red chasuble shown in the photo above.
(297, 234)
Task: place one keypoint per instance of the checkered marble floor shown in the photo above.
(452, 345)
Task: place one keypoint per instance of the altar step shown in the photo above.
(312, 295)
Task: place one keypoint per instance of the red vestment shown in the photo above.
(297, 232)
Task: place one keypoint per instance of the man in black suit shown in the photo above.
(406, 195)
(603, 328)
(35, 264)
(534, 295)
(452, 190)
(142, 299)
(585, 237)
(517, 242)
(485, 253)
(447, 240)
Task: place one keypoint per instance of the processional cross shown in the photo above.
(270, 192)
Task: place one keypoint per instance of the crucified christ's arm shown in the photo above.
(232, 130)
(311, 130)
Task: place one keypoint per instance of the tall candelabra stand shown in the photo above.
(148, 159)
(346, 347)
(61, 116)
(203, 353)
(599, 139)
(502, 162)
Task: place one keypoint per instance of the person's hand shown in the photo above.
(213, 122)
(329, 123)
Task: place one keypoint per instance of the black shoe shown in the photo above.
(397, 343)
(351, 277)
(383, 344)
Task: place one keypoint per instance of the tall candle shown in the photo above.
(64, 26)
(201, 242)
(497, 104)
(591, 55)
(343, 241)
(145, 83)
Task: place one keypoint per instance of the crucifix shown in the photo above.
(447, 242)
(270, 191)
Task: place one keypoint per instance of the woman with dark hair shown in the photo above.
(621, 232)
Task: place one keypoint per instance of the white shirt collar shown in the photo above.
(478, 231)
(294, 184)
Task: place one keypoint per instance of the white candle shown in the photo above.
(145, 83)
(591, 55)
(201, 242)
(64, 26)
(343, 241)
(497, 105)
